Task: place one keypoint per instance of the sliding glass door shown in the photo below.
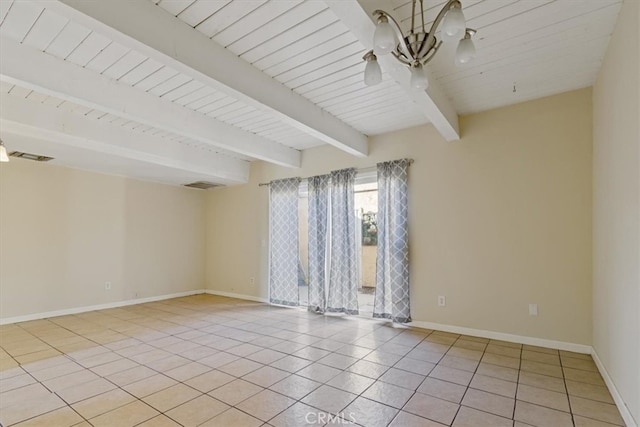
(366, 204)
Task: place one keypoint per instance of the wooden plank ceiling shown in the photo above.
(526, 49)
(303, 45)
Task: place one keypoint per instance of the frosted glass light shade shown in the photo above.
(450, 40)
(454, 23)
(384, 39)
(3, 154)
(372, 73)
(466, 51)
(419, 79)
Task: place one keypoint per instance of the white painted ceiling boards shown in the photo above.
(177, 91)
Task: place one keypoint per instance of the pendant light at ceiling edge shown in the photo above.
(417, 48)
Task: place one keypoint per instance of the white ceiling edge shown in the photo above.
(106, 164)
(172, 42)
(23, 65)
(62, 134)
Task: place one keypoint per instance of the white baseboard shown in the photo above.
(521, 339)
(116, 304)
(234, 295)
(622, 407)
(76, 310)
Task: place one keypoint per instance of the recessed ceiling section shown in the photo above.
(19, 92)
(35, 122)
(110, 164)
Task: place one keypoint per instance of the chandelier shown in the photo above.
(418, 47)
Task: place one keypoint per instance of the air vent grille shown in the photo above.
(202, 185)
(29, 156)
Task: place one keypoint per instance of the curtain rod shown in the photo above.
(367, 169)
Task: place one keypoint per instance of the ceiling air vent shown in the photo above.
(30, 156)
(203, 185)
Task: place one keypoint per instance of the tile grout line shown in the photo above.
(416, 389)
(566, 389)
(484, 351)
(515, 397)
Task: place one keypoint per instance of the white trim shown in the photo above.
(76, 310)
(56, 126)
(22, 65)
(433, 103)
(177, 45)
(238, 296)
(367, 175)
(521, 339)
(622, 407)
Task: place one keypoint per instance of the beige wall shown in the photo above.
(65, 232)
(498, 220)
(616, 209)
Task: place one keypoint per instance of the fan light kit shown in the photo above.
(418, 47)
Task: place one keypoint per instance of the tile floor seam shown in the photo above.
(117, 407)
(515, 397)
(468, 387)
(414, 391)
(566, 389)
(53, 410)
(119, 387)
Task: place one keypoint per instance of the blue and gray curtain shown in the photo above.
(283, 231)
(392, 265)
(333, 283)
(343, 271)
(318, 188)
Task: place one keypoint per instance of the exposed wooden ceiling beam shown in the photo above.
(35, 120)
(358, 17)
(30, 68)
(148, 29)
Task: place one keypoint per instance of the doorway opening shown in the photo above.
(366, 206)
(365, 211)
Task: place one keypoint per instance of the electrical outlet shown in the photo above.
(252, 280)
(533, 309)
(107, 286)
(442, 301)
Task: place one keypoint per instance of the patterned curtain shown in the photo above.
(318, 220)
(343, 271)
(358, 215)
(283, 230)
(392, 265)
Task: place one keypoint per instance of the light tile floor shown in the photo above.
(365, 300)
(213, 361)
